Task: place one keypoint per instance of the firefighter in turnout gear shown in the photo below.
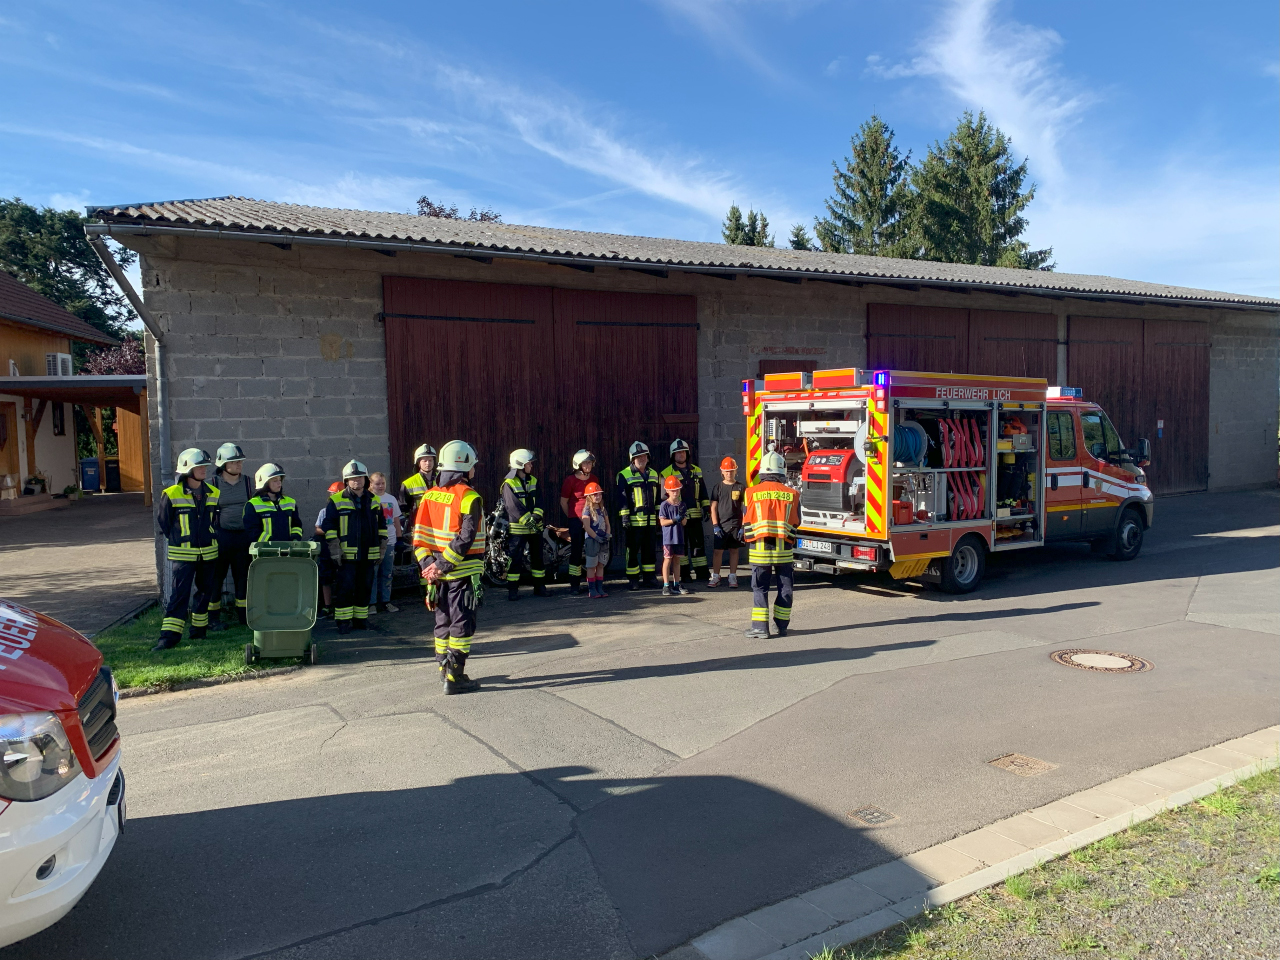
(269, 514)
(697, 506)
(638, 500)
(355, 531)
(233, 545)
(423, 479)
(525, 521)
(449, 544)
(188, 518)
(770, 520)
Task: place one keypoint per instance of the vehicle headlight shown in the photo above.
(36, 758)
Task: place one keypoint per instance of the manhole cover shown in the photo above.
(871, 816)
(1101, 661)
(1023, 766)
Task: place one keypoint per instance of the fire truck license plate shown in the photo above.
(817, 546)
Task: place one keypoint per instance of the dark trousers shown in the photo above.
(352, 585)
(761, 579)
(188, 574)
(640, 549)
(233, 555)
(695, 549)
(516, 546)
(577, 538)
(455, 624)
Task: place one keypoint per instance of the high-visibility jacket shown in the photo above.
(638, 496)
(411, 491)
(449, 529)
(188, 522)
(694, 492)
(356, 523)
(770, 518)
(267, 519)
(520, 498)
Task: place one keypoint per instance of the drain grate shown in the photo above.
(1023, 765)
(1101, 661)
(871, 816)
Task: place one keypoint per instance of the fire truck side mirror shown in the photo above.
(1142, 453)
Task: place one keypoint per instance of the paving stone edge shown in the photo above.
(911, 906)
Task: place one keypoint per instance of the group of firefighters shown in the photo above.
(209, 522)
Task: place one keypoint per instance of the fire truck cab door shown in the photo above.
(1101, 442)
(1063, 490)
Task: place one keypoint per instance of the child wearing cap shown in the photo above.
(596, 534)
(672, 518)
(726, 521)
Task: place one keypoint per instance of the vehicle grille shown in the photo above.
(97, 710)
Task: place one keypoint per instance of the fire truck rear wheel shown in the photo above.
(964, 569)
(1128, 536)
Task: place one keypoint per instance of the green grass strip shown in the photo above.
(127, 649)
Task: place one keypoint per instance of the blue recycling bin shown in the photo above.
(90, 482)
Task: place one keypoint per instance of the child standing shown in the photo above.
(726, 521)
(671, 516)
(596, 534)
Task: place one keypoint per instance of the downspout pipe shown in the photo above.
(162, 393)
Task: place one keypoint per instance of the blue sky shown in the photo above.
(1151, 128)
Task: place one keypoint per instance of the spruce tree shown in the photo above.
(869, 211)
(800, 239)
(970, 198)
(749, 231)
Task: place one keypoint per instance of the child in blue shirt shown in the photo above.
(671, 516)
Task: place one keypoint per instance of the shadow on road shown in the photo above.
(773, 659)
(485, 866)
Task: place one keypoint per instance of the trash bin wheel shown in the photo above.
(250, 655)
(315, 654)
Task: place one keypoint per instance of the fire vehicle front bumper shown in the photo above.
(77, 827)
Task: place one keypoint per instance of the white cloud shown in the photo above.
(1002, 67)
(560, 130)
(1188, 221)
(833, 68)
(69, 201)
(720, 23)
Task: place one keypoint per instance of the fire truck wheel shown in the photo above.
(963, 570)
(1128, 536)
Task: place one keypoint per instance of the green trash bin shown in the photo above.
(283, 597)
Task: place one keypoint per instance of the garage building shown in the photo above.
(311, 336)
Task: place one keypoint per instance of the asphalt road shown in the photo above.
(636, 771)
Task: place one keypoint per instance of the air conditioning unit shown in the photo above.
(57, 364)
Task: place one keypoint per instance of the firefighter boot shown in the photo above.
(455, 680)
(539, 590)
(513, 592)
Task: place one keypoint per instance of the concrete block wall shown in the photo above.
(289, 365)
(1244, 407)
(765, 320)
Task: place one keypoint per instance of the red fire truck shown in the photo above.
(923, 474)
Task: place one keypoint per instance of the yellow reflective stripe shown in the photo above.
(467, 568)
(767, 555)
(184, 524)
(451, 555)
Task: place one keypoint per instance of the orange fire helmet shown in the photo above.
(728, 463)
(336, 486)
(591, 489)
(672, 483)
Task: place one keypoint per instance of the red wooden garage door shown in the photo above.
(1144, 372)
(505, 366)
(932, 339)
(1003, 343)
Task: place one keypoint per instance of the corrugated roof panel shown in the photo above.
(241, 213)
(20, 303)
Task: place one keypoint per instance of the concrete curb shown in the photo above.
(876, 899)
(130, 692)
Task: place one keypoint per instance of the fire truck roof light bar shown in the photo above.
(1066, 393)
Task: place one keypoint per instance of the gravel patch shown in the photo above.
(1202, 881)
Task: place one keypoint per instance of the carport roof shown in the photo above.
(111, 391)
(244, 218)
